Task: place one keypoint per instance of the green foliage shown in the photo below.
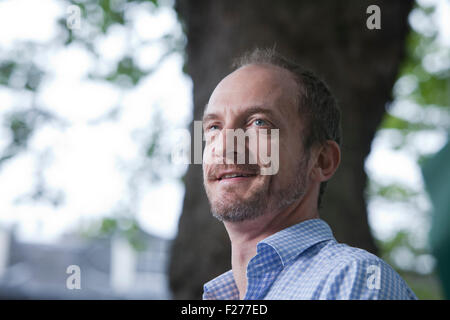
(426, 287)
(392, 122)
(110, 16)
(122, 226)
(401, 239)
(29, 73)
(6, 69)
(392, 192)
(20, 71)
(126, 69)
(21, 125)
(20, 128)
(433, 87)
(426, 72)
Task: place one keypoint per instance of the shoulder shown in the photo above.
(357, 274)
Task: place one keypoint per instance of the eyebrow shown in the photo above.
(249, 111)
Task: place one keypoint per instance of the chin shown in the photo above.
(233, 208)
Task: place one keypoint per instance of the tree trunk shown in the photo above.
(332, 39)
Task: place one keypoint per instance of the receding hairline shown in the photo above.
(267, 65)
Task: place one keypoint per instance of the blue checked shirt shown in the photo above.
(304, 261)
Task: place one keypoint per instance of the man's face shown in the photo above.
(254, 97)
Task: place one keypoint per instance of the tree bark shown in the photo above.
(330, 38)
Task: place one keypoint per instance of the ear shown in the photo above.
(327, 160)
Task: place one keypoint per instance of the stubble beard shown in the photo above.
(238, 209)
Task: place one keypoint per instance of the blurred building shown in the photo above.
(110, 268)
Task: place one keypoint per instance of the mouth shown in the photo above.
(234, 176)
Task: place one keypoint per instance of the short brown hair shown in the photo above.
(316, 102)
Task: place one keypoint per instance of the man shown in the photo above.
(281, 249)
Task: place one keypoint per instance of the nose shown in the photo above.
(235, 146)
(225, 147)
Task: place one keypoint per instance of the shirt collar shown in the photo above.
(287, 244)
(221, 288)
(292, 241)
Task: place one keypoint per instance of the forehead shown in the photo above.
(255, 85)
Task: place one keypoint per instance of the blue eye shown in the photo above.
(213, 127)
(259, 122)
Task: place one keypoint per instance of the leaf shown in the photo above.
(393, 192)
(34, 77)
(392, 122)
(127, 68)
(6, 69)
(20, 129)
(396, 192)
(108, 226)
(435, 90)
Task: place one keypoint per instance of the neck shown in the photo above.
(245, 235)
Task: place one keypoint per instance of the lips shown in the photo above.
(234, 174)
(223, 173)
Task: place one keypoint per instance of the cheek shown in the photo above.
(268, 151)
(213, 152)
(289, 159)
(206, 169)
(207, 156)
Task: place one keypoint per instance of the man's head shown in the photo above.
(266, 91)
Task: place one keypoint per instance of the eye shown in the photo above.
(259, 122)
(213, 127)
